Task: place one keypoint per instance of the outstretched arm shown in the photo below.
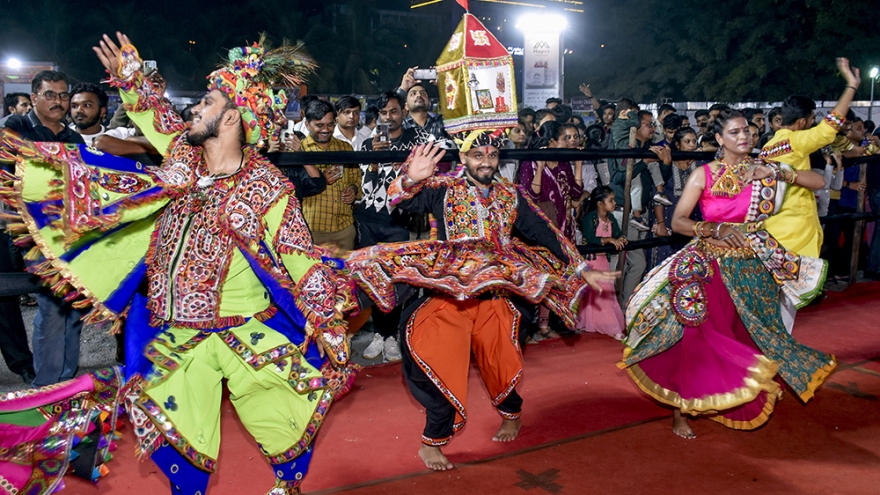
(143, 97)
(812, 139)
(852, 75)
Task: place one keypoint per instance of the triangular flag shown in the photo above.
(463, 3)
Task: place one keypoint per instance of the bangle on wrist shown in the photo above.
(703, 230)
(852, 88)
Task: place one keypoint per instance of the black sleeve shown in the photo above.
(425, 201)
(312, 186)
(76, 138)
(16, 123)
(536, 229)
(304, 184)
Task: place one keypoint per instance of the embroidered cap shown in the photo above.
(480, 137)
(248, 78)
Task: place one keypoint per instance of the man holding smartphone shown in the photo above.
(376, 220)
(329, 214)
(414, 92)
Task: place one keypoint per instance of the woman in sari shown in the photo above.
(555, 187)
(705, 334)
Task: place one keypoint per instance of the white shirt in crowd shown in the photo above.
(355, 143)
(119, 133)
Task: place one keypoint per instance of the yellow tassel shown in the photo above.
(34, 254)
(116, 327)
(81, 304)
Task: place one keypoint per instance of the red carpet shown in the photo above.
(587, 429)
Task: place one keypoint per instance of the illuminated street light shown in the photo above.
(542, 23)
(873, 76)
(14, 63)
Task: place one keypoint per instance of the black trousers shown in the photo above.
(370, 234)
(13, 336)
(838, 256)
(440, 414)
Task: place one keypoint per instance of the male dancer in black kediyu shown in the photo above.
(470, 273)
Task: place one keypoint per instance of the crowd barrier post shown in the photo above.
(627, 207)
(858, 227)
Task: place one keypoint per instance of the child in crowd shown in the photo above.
(600, 312)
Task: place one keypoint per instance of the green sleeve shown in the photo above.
(588, 227)
(289, 238)
(151, 112)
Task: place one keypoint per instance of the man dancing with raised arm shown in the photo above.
(209, 258)
(473, 270)
(796, 226)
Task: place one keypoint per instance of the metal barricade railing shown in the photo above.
(21, 283)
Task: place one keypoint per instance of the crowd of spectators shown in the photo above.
(347, 206)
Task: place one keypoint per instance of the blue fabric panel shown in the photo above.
(138, 333)
(36, 211)
(296, 469)
(185, 478)
(113, 162)
(289, 321)
(146, 193)
(123, 294)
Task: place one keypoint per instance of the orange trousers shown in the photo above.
(439, 337)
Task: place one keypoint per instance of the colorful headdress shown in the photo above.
(480, 137)
(248, 78)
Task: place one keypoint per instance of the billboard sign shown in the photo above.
(542, 67)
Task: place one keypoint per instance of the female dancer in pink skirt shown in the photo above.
(705, 334)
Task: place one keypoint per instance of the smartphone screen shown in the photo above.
(382, 133)
(425, 74)
(149, 66)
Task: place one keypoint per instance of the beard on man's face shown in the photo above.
(81, 123)
(211, 130)
(481, 172)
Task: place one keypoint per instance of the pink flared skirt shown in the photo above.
(715, 369)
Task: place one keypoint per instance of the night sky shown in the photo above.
(651, 50)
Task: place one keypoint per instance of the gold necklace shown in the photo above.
(727, 181)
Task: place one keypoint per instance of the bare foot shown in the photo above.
(680, 426)
(508, 431)
(434, 458)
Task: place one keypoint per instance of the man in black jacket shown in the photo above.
(57, 326)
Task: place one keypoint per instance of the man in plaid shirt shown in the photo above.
(329, 214)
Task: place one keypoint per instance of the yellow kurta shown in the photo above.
(796, 226)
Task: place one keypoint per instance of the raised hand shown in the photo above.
(408, 80)
(758, 172)
(423, 161)
(851, 74)
(108, 51)
(663, 153)
(585, 89)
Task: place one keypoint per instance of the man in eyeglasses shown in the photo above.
(57, 325)
(51, 99)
